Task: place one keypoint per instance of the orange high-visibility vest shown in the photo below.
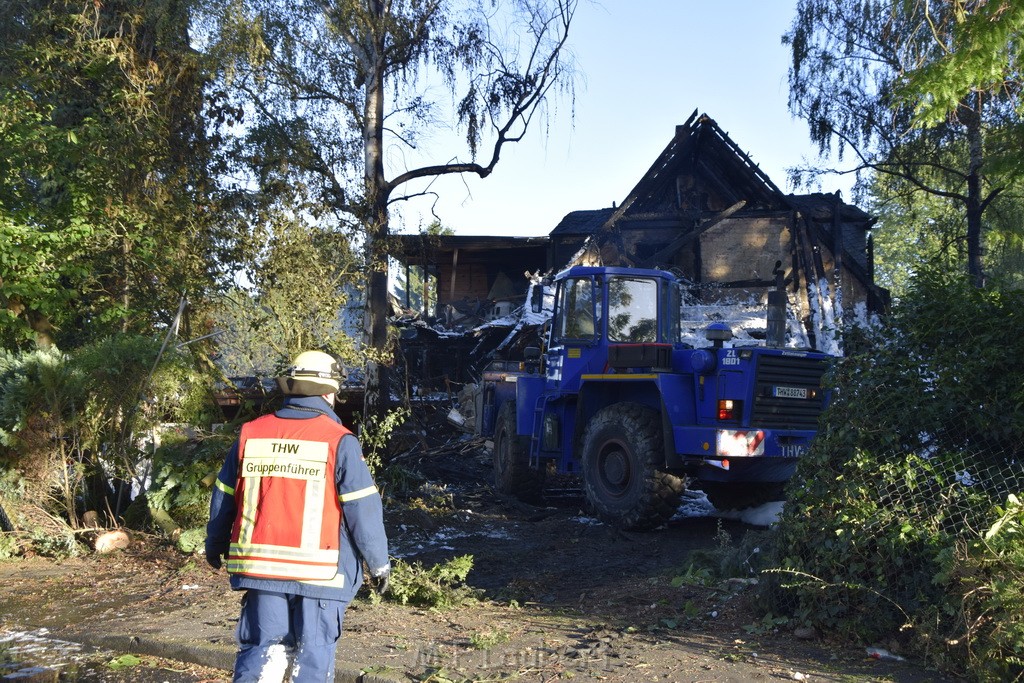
(289, 514)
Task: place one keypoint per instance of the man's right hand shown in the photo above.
(214, 557)
(381, 582)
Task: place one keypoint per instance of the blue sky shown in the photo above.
(645, 66)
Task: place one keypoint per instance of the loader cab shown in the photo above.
(620, 305)
(601, 313)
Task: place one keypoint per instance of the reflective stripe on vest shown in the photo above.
(288, 520)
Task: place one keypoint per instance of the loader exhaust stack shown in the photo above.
(777, 299)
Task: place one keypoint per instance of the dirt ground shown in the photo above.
(561, 597)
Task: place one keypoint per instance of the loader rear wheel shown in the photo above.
(623, 453)
(512, 472)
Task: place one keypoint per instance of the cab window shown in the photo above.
(579, 310)
(632, 310)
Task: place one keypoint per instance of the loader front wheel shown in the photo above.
(512, 472)
(623, 455)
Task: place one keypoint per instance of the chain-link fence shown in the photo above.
(904, 526)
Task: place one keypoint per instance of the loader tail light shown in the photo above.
(728, 409)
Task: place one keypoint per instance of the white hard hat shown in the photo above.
(312, 373)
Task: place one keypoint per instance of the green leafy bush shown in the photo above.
(485, 640)
(376, 436)
(916, 453)
(69, 423)
(989, 573)
(59, 545)
(183, 471)
(191, 540)
(9, 546)
(441, 586)
(42, 395)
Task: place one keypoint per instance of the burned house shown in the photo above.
(703, 210)
(464, 279)
(450, 285)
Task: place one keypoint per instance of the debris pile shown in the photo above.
(443, 355)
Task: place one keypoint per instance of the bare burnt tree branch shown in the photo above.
(521, 112)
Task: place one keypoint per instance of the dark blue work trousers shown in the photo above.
(278, 630)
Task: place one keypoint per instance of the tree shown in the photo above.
(299, 286)
(981, 54)
(331, 89)
(919, 232)
(850, 60)
(105, 205)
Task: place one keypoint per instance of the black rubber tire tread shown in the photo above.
(511, 457)
(740, 496)
(5, 521)
(650, 496)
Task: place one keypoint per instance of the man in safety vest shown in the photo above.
(295, 512)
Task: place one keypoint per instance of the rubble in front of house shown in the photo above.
(445, 353)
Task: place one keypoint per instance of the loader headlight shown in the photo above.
(703, 362)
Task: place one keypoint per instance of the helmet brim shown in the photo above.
(307, 386)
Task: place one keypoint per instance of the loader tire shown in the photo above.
(512, 472)
(623, 456)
